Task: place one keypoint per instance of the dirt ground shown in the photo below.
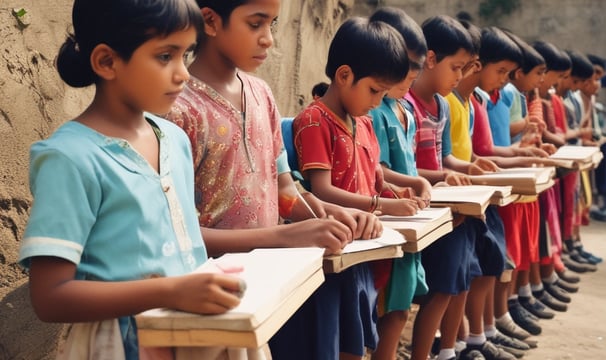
(579, 333)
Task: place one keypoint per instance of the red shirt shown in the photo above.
(323, 142)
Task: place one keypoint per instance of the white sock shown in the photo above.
(551, 279)
(490, 330)
(513, 297)
(525, 291)
(505, 318)
(446, 354)
(536, 287)
(476, 339)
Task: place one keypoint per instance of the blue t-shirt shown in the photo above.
(396, 143)
(100, 205)
(498, 116)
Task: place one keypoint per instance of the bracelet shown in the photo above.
(374, 203)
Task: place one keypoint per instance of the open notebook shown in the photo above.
(278, 282)
(584, 157)
(465, 200)
(421, 229)
(523, 181)
(388, 246)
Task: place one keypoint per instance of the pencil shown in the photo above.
(307, 205)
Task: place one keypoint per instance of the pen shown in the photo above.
(307, 205)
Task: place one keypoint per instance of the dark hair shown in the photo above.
(597, 60)
(555, 59)
(497, 46)
(582, 68)
(406, 26)
(464, 16)
(223, 8)
(122, 25)
(530, 57)
(475, 33)
(319, 89)
(446, 36)
(370, 49)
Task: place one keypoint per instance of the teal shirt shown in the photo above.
(396, 144)
(100, 205)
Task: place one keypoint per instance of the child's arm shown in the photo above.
(322, 187)
(326, 233)
(421, 186)
(58, 297)
(296, 207)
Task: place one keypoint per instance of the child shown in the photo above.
(558, 63)
(113, 231)
(581, 71)
(395, 129)
(319, 90)
(234, 127)
(339, 155)
(450, 263)
(495, 58)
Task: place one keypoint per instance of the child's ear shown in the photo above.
(343, 75)
(431, 60)
(212, 21)
(102, 60)
(517, 73)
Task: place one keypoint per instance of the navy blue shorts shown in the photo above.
(451, 262)
(339, 317)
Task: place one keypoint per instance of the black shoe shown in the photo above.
(575, 265)
(471, 355)
(532, 343)
(517, 353)
(575, 256)
(557, 292)
(566, 286)
(535, 307)
(489, 351)
(568, 277)
(500, 339)
(549, 301)
(523, 318)
(592, 259)
(510, 328)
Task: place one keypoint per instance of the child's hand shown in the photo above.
(368, 226)
(326, 233)
(207, 293)
(548, 148)
(399, 207)
(486, 165)
(457, 179)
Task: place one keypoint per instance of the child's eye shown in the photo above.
(165, 58)
(255, 25)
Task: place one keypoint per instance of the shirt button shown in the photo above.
(166, 188)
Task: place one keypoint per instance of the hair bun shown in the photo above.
(73, 65)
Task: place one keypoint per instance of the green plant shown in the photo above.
(22, 21)
(492, 9)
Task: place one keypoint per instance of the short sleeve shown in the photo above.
(66, 201)
(312, 140)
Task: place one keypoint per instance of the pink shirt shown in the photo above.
(234, 153)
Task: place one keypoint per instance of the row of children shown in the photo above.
(126, 205)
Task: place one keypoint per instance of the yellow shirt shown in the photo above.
(459, 127)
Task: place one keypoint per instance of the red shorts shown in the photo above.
(521, 222)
